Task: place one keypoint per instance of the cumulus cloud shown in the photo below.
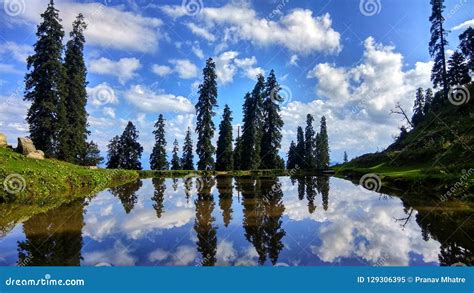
(185, 68)
(227, 65)
(149, 101)
(161, 70)
(201, 32)
(124, 69)
(19, 52)
(464, 25)
(108, 26)
(299, 31)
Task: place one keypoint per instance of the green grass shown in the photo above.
(48, 182)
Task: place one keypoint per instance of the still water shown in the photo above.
(306, 221)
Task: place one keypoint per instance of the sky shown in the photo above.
(348, 60)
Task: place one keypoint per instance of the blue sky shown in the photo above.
(350, 60)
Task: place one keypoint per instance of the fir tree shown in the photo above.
(291, 161)
(175, 162)
(271, 130)
(74, 128)
(345, 157)
(91, 155)
(418, 107)
(437, 46)
(204, 112)
(130, 149)
(158, 159)
(300, 148)
(310, 143)
(428, 101)
(187, 162)
(237, 156)
(44, 83)
(252, 126)
(458, 72)
(114, 153)
(467, 47)
(224, 161)
(323, 158)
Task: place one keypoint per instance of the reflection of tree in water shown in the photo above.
(203, 225)
(323, 188)
(53, 238)
(311, 186)
(311, 191)
(175, 184)
(188, 186)
(159, 195)
(263, 209)
(453, 254)
(301, 187)
(127, 194)
(224, 187)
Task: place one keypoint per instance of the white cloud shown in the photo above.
(198, 51)
(248, 66)
(185, 68)
(124, 69)
(200, 31)
(294, 60)
(161, 70)
(109, 112)
(13, 112)
(299, 31)
(108, 26)
(149, 101)
(17, 51)
(227, 65)
(464, 25)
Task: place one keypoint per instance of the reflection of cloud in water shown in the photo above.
(118, 255)
(361, 225)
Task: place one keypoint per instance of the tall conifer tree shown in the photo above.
(158, 158)
(458, 72)
(187, 162)
(300, 148)
(175, 161)
(323, 146)
(437, 46)
(130, 149)
(467, 47)
(224, 154)
(310, 143)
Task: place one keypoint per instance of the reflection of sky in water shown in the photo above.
(357, 228)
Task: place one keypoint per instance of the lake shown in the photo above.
(304, 221)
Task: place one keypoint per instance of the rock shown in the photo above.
(38, 155)
(3, 140)
(25, 146)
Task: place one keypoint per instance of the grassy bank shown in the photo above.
(52, 182)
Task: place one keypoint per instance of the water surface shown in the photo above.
(306, 221)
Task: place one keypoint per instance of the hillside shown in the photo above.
(438, 152)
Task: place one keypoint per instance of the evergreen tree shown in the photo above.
(318, 151)
(300, 148)
(428, 101)
(204, 112)
(437, 46)
(114, 153)
(44, 83)
(418, 107)
(158, 159)
(175, 162)
(187, 162)
(271, 130)
(458, 72)
(224, 153)
(323, 152)
(237, 156)
(91, 155)
(291, 161)
(310, 143)
(130, 149)
(345, 157)
(252, 126)
(467, 47)
(72, 141)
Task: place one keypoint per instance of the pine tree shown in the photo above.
(114, 153)
(252, 126)
(291, 161)
(318, 151)
(418, 107)
(187, 161)
(345, 157)
(271, 130)
(224, 161)
(428, 101)
(300, 148)
(237, 156)
(437, 46)
(175, 162)
(73, 137)
(458, 72)
(205, 111)
(310, 143)
(323, 146)
(44, 83)
(467, 47)
(91, 155)
(130, 149)
(158, 159)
